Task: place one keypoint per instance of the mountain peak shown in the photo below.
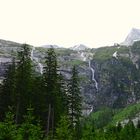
(79, 47)
(50, 46)
(133, 36)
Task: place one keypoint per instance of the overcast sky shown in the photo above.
(66, 23)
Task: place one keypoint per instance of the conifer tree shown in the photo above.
(28, 129)
(63, 131)
(38, 98)
(63, 97)
(7, 95)
(8, 128)
(52, 94)
(24, 82)
(88, 131)
(74, 98)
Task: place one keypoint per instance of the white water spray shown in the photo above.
(93, 75)
(33, 58)
(41, 68)
(83, 56)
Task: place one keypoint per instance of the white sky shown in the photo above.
(66, 23)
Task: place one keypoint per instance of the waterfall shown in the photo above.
(41, 68)
(33, 58)
(93, 75)
(32, 53)
(83, 56)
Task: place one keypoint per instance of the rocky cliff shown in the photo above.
(109, 76)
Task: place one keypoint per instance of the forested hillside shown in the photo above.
(49, 106)
(75, 93)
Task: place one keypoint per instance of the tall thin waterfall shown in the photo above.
(83, 56)
(32, 53)
(93, 75)
(33, 58)
(41, 67)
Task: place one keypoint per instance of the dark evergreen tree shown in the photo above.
(138, 124)
(7, 95)
(38, 99)
(52, 91)
(75, 102)
(24, 82)
(63, 95)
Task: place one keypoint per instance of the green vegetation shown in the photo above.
(49, 107)
(74, 63)
(123, 50)
(64, 52)
(102, 117)
(127, 113)
(104, 53)
(55, 101)
(107, 116)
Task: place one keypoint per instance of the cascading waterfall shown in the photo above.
(83, 56)
(41, 68)
(33, 58)
(32, 53)
(93, 75)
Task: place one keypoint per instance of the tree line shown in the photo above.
(38, 102)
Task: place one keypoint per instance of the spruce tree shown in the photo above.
(74, 99)
(52, 94)
(38, 99)
(29, 130)
(8, 128)
(8, 91)
(88, 132)
(63, 95)
(63, 131)
(24, 82)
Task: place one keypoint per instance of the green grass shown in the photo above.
(104, 53)
(123, 50)
(107, 116)
(126, 113)
(74, 63)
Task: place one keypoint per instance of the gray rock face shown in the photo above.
(8, 49)
(133, 36)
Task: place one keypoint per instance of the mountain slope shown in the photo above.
(109, 76)
(133, 36)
